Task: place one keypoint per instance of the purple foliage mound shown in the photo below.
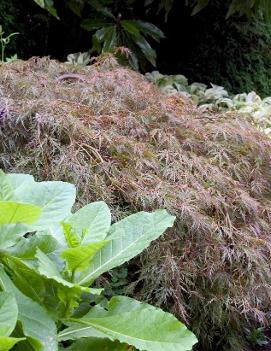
(120, 139)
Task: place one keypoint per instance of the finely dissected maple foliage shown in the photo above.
(122, 140)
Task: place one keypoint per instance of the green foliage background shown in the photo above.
(206, 47)
(32, 24)
(232, 52)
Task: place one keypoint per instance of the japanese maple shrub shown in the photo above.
(49, 259)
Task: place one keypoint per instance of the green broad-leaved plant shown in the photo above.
(49, 259)
(111, 32)
(114, 32)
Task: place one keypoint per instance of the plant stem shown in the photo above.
(73, 276)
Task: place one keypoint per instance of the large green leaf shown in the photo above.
(110, 39)
(16, 212)
(57, 232)
(6, 191)
(127, 238)
(79, 258)
(131, 27)
(106, 37)
(8, 313)
(26, 247)
(77, 331)
(92, 220)
(72, 239)
(98, 5)
(26, 279)
(19, 182)
(138, 324)
(47, 5)
(93, 344)
(41, 3)
(99, 34)
(133, 61)
(150, 29)
(10, 234)
(7, 343)
(76, 6)
(49, 269)
(201, 4)
(37, 326)
(91, 24)
(166, 5)
(146, 49)
(54, 198)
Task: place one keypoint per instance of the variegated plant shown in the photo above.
(216, 98)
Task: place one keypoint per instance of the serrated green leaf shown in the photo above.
(135, 323)
(37, 326)
(7, 343)
(94, 219)
(17, 212)
(128, 238)
(79, 258)
(8, 313)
